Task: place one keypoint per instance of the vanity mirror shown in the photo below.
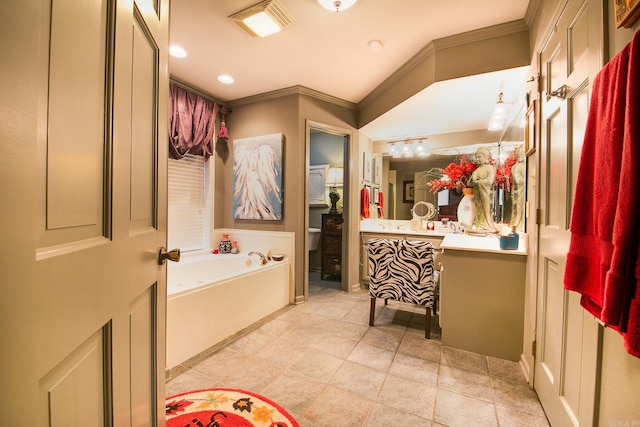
(507, 155)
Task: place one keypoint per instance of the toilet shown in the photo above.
(314, 238)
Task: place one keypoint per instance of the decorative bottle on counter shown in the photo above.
(467, 208)
(510, 241)
(225, 245)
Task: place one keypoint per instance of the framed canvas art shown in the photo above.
(627, 12)
(408, 188)
(366, 167)
(257, 177)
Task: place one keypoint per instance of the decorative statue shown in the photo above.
(482, 181)
(517, 190)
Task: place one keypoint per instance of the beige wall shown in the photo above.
(284, 113)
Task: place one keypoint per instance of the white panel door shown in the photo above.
(83, 102)
(566, 356)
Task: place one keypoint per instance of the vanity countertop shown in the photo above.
(405, 232)
(491, 243)
(451, 240)
(386, 226)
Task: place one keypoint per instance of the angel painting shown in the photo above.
(257, 178)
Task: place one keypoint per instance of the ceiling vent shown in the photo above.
(263, 19)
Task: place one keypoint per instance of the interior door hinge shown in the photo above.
(533, 348)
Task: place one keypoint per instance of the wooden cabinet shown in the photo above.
(482, 302)
(331, 245)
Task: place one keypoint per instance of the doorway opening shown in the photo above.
(327, 207)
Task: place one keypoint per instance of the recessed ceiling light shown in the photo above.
(225, 78)
(177, 51)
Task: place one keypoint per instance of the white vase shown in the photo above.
(467, 208)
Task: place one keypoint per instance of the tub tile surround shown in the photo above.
(337, 371)
(276, 242)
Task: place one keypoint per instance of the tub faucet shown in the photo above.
(263, 259)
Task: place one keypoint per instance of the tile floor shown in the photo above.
(325, 365)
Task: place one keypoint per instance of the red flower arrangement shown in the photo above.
(503, 173)
(455, 175)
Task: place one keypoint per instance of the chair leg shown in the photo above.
(427, 324)
(372, 311)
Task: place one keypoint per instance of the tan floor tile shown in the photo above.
(357, 317)
(505, 369)
(221, 362)
(415, 369)
(338, 408)
(251, 343)
(317, 365)
(190, 380)
(385, 337)
(250, 374)
(330, 372)
(509, 417)
(420, 347)
(464, 360)
(318, 322)
(371, 356)
(281, 353)
(293, 391)
(335, 345)
(275, 328)
(465, 382)
(385, 416)
(336, 312)
(358, 379)
(302, 336)
(293, 316)
(517, 395)
(349, 330)
(409, 396)
(453, 410)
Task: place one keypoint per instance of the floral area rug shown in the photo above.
(225, 407)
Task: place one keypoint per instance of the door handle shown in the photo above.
(561, 92)
(172, 255)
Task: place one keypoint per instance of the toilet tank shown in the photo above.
(314, 239)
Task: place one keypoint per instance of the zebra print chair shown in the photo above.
(402, 270)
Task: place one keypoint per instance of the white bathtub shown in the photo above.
(211, 297)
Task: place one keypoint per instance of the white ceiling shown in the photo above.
(328, 52)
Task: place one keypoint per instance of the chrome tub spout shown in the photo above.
(263, 259)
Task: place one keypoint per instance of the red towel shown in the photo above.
(364, 202)
(381, 204)
(602, 263)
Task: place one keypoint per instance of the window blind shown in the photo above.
(186, 210)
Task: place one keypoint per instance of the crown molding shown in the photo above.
(195, 90)
(293, 90)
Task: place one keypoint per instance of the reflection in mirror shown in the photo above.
(506, 155)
